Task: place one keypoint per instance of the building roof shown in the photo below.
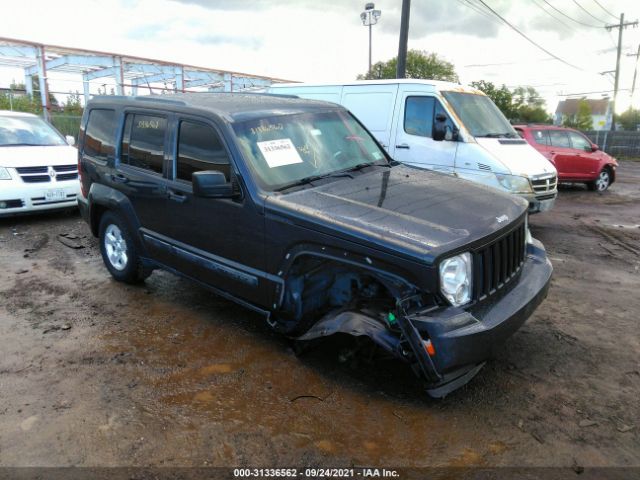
(230, 106)
(570, 106)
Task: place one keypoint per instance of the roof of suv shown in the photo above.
(230, 106)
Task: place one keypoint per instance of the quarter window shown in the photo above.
(99, 138)
(418, 116)
(559, 138)
(579, 142)
(145, 148)
(541, 137)
(200, 148)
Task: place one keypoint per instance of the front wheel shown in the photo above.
(118, 250)
(601, 183)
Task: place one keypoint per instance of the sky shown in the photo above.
(325, 41)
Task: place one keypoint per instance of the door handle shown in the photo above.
(119, 178)
(176, 196)
(403, 145)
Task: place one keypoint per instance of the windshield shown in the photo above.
(480, 115)
(287, 149)
(21, 131)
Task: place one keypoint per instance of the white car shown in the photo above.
(38, 166)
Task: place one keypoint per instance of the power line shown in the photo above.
(600, 5)
(527, 38)
(587, 12)
(571, 18)
(552, 16)
(476, 8)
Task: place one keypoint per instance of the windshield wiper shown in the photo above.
(499, 135)
(337, 174)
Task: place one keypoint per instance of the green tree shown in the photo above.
(73, 104)
(420, 64)
(522, 105)
(629, 120)
(582, 120)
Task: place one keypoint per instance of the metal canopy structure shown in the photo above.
(126, 71)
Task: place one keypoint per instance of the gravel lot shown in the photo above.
(97, 373)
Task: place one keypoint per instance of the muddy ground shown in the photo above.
(97, 373)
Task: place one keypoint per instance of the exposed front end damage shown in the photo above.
(446, 346)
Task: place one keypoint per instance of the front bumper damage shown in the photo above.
(463, 339)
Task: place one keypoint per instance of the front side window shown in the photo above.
(579, 142)
(145, 148)
(200, 148)
(541, 137)
(16, 131)
(559, 138)
(418, 116)
(286, 149)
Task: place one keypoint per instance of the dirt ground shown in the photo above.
(97, 373)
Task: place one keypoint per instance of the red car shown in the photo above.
(575, 157)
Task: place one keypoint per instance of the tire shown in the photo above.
(602, 182)
(119, 251)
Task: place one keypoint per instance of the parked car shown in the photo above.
(576, 158)
(38, 166)
(290, 208)
(445, 127)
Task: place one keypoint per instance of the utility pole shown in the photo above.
(621, 26)
(635, 71)
(401, 69)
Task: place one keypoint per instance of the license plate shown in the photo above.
(546, 205)
(53, 195)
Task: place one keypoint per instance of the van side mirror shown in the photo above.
(211, 184)
(440, 127)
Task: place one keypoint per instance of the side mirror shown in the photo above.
(440, 127)
(211, 184)
(594, 148)
(70, 140)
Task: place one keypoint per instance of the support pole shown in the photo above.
(119, 74)
(401, 70)
(85, 88)
(44, 87)
(28, 84)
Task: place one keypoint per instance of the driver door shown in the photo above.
(414, 143)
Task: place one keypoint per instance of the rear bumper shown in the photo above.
(463, 339)
(27, 198)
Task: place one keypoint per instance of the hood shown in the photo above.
(26, 156)
(403, 210)
(517, 155)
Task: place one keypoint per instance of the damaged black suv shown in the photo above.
(291, 208)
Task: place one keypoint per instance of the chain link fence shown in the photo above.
(66, 124)
(619, 144)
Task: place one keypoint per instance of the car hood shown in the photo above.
(402, 210)
(26, 156)
(517, 155)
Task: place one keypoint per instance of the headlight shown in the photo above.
(455, 279)
(4, 174)
(514, 183)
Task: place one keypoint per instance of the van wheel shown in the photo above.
(602, 182)
(118, 250)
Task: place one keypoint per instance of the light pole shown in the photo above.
(369, 18)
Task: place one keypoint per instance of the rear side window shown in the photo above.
(143, 142)
(541, 136)
(199, 148)
(99, 139)
(579, 142)
(418, 116)
(559, 138)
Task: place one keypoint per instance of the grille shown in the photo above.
(542, 185)
(41, 174)
(497, 263)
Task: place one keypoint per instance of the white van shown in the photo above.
(445, 127)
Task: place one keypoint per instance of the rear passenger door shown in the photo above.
(141, 171)
(562, 153)
(219, 241)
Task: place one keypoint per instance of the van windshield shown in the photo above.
(480, 115)
(27, 131)
(289, 150)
